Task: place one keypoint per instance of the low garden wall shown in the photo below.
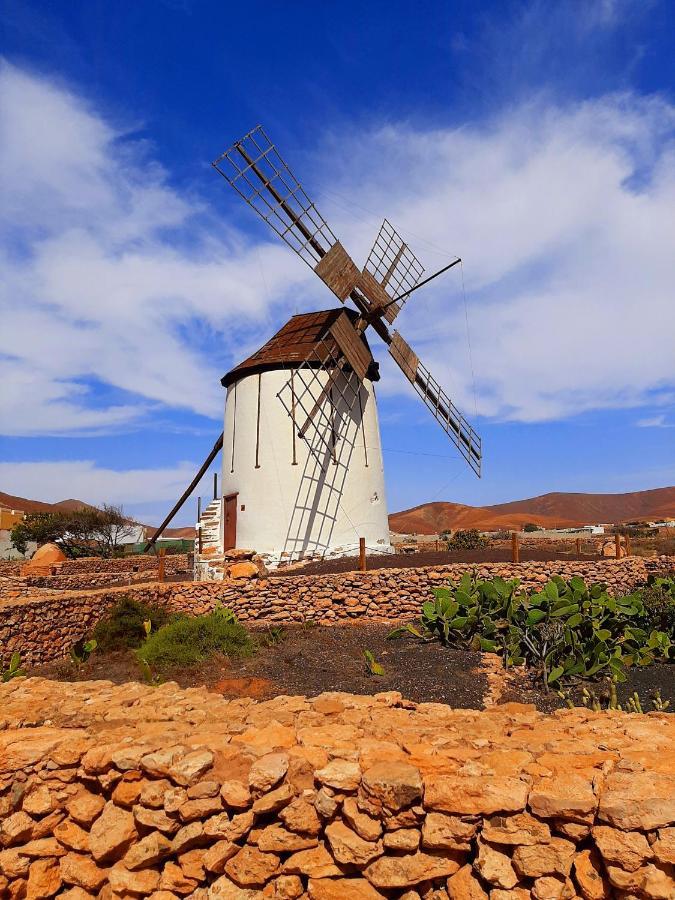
(131, 790)
(173, 563)
(44, 627)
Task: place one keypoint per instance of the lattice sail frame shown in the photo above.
(319, 407)
(394, 266)
(256, 170)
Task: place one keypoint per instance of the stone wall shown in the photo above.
(43, 627)
(133, 791)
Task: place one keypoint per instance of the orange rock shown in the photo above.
(495, 866)
(243, 569)
(627, 849)
(349, 848)
(82, 871)
(342, 888)
(590, 875)
(317, 863)
(124, 882)
(519, 830)
(301, 817)
(411, 869)
(636, 801)
(251, 867)
(44, 879)
(463, 885)
(567, 796)
(277, 839)
(552, 858)
(472, 795)
(218, 854)
(112, 834)
(664, 848)
(284, 887)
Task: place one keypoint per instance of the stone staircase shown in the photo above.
(210, 563)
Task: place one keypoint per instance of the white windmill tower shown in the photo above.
(302, 458)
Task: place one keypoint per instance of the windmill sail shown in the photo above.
(451, 420)
(394, 267)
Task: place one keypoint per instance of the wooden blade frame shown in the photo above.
(455, 425)
(333, 371)
(394, 266)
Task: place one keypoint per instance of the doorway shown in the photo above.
(230, 521)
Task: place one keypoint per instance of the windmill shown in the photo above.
(320, 371)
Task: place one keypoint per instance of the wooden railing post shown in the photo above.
(515, 547)
(362, 554)
(161, 553)
(617, 544)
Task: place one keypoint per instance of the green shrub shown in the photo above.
(659, 601)
(123, 628)
(564, 631)
(187, 641)
(467, 540)
(529, 527)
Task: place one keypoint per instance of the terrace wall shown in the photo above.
(130, 790)
(44, 627)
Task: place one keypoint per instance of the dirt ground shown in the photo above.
(430, 558)
(311, 659)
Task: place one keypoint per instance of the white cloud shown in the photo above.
(84, 480)
(654, 422)
(563, 215)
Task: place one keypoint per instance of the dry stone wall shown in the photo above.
(131, 791)
(44, 626)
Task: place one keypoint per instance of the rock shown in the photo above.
(637, 801)
(567, 796)
(277, 839)
(411, 869)
(590, 875)
(199, 809)
(42, 847)
(235, 795)
(192, 864)
(127, 792)
(174, 879)
(16, 829)
(473, 795)
(553, 858)
(495, 866)
(160, 763)
(326, 802)
(225, 889)
(341, 889)
(627, 849)
(274, 800)
(223, 828)
(519, 830)
(82, 871)
(218, 854)
(392, 785)
(517, 893)
(404, 840)
(156, 819)
(317, 863)
(349, 848)
(44, 879)
(149, 850)
(573, 830)
(245, 569)
(124, 882)
(153, 793)
(664, 847)
(251, 867)
(267, 771)
(13, 864)
(551, 888)
(187, 837)
(443, 832)
(364, 825)
(340, 774)
(301, 817)
(190, 768)
(464, 885)
(112, 834)
(38, 802)
(203, 789)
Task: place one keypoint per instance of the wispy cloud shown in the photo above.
(562, 213)
(654, 422)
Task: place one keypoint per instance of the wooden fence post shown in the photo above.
(617, 544)
(362, 554)
(515, 547)
(627, 545)
(161, 554)
(578, 548)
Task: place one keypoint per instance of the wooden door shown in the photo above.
(230, 521)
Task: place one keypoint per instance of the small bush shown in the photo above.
(467, 540)
(189, 641)
(659, 600)
(123, 628)
(529, 527)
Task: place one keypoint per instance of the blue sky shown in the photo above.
(536, 140)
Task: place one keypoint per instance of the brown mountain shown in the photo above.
(33, 506)
(549, 510)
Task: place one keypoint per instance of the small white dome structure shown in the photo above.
(291, 498)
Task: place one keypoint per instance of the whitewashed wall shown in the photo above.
(315, 506)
